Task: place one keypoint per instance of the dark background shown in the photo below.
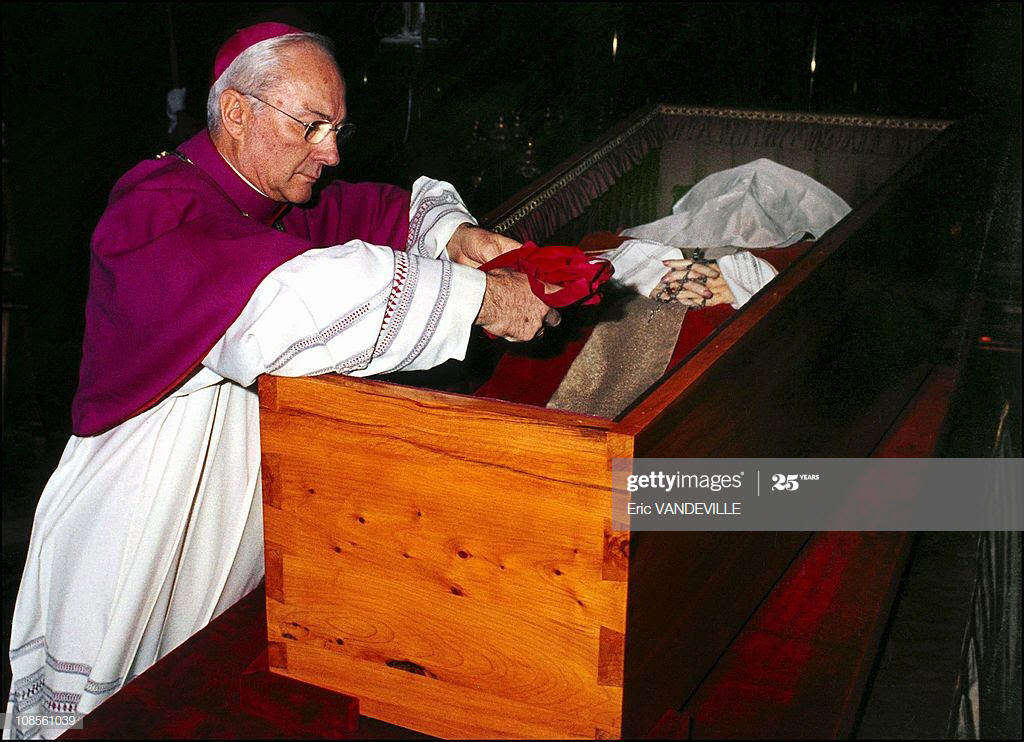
(85, 87)
(84, 96)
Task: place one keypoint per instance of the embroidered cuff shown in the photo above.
(746, 275)
(638, 263)
(468, 286)
(435, 212)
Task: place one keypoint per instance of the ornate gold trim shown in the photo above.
(797, 117)
(828, 119)
(574, 173)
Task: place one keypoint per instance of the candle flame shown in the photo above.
(615, 44)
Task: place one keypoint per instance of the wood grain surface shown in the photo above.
(450, 577)
(465, 580)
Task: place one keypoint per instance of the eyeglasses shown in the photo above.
(316, 131)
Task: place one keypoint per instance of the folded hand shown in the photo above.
(694, 285)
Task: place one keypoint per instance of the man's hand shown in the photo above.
(474, 246)
(511, 310)
(693, 284)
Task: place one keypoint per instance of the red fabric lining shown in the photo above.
(521, 376)
(798, 664)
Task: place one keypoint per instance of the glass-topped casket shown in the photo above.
(449, 559)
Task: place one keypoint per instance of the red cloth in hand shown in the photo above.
(527, 379)
(578, 276)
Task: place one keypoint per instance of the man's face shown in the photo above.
(274, 152)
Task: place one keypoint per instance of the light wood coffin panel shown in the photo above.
(452, 577)
(450, 562)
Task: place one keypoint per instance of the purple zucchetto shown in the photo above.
(245, 38)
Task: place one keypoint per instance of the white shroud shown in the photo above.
(759, 204)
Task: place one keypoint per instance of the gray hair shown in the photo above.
(257, 70)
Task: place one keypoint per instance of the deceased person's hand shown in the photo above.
(693, 284)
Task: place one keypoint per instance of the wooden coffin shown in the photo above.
(449, 560)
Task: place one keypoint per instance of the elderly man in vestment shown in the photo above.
(211, 266)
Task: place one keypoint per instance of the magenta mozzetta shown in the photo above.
(176, 256)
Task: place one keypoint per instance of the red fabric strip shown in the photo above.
(578, 275)
(524, 375)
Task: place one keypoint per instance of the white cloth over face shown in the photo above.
(760, 204)
(757, 205)
(146, 532)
